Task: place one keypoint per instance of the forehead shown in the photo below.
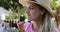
(30, 4)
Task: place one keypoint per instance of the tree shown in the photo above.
(14, 5)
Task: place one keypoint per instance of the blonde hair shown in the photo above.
(47, 24)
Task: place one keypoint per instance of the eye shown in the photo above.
(31, 7)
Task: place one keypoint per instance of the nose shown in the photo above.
(27, 11)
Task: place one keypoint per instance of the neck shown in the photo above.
(37, 24)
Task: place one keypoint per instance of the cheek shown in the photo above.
(35, 14)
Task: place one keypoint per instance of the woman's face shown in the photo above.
(33, 12)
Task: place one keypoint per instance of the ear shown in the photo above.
(43, 11)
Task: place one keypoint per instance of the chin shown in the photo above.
(31, 19)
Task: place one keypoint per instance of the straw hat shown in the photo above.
(43, 3)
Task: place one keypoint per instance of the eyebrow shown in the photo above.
(33, 6)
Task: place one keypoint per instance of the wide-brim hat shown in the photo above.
(43, 3)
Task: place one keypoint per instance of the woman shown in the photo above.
(39, 13)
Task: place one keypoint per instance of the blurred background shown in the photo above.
(12, 12)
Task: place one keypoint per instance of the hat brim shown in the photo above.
(25, 3)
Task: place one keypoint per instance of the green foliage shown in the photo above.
(54, 4)
(55, 0)
(10, 3)
(13, 5)
(23, 11)
(10, 15)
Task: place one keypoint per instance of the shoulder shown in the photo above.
(56, 30)
(27, 24)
